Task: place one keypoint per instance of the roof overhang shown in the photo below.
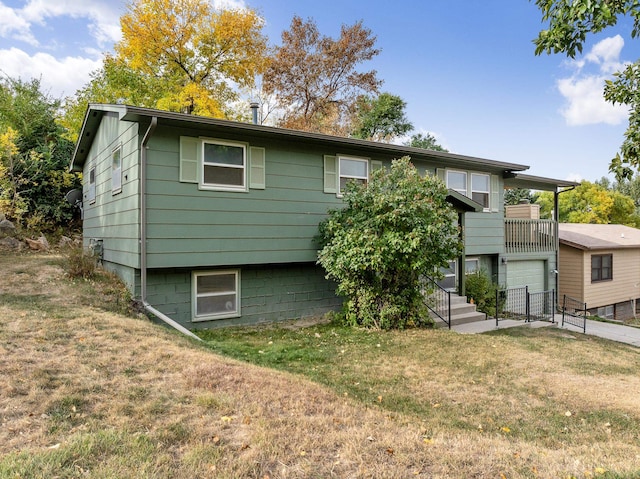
(530, 182)
(95, 112)
(462, 203)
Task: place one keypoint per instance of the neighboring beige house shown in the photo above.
(600, 265)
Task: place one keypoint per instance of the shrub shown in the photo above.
(482, 291)
(391, 233)
(80, 263)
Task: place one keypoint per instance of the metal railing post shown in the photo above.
(497, 311)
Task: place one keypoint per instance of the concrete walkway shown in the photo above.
(614, 332)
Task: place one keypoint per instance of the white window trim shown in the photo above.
(117, 173)
(195, 295)
(366, 161)
(472, 259)
(91, 185)
(466, 181)
(488, 192)
(203, 163)
(469, 181)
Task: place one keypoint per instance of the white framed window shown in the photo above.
(91, 188)
(471, 265)
(352, 169)
(224, 165)
(457, 180)
(216, 295)
(116, 170)
(480, 189)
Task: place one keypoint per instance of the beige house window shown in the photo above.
(601, 267)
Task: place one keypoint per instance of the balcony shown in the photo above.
(530, 235)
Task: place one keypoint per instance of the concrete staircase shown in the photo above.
(461, 312)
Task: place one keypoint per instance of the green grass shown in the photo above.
(467, 382)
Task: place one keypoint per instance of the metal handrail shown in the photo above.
(439, 301)
(575, 309)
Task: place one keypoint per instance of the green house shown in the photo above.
(212, 222)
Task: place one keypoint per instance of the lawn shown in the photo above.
(90, 392)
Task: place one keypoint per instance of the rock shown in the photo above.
(41, 244)
(44, 241)
(64, 242)
(10, 243)
(6, 227)
(2, 216)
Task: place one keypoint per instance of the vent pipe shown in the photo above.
(254, 111)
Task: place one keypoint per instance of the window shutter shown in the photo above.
(376, 165)
(442, 174)
(494, 201)
(189, 156)
(330, 174)
(256, 168)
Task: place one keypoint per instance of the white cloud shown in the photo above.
(103, 16)
(576, 177)
(229, 4)
(606, 53)
(583, 91)
(585, 103)
(60, 77)
(12, 25)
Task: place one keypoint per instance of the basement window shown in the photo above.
(216, 295)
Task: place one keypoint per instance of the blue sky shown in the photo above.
(467, 70)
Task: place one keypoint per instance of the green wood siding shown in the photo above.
(190, 227)
(114, 218)
(484, 233)
(268, 293)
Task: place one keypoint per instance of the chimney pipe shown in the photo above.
(254, 110)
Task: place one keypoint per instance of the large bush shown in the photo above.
(390, 234)
(34, 158)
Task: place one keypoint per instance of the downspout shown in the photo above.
(143, 235)
(556, 213)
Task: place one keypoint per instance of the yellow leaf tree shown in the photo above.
(177, 55)
(197, 52)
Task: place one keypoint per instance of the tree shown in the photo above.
(381, 118)
(426, 142)
(591, 203)
(115, 82)
(390, 234)
(34, 158)
(514, 196)
(315, 79)
(569, 24)
(630, 187)
(179, 55)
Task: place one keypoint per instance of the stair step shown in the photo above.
(468, 317)
(462, 308)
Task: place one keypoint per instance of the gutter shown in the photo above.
(143, 235)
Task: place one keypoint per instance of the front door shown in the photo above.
(449, 281)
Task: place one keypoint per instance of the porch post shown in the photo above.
(556, 216)
(462, 258)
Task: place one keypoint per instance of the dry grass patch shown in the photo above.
(90, 393)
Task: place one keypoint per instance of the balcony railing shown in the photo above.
(530, 236)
